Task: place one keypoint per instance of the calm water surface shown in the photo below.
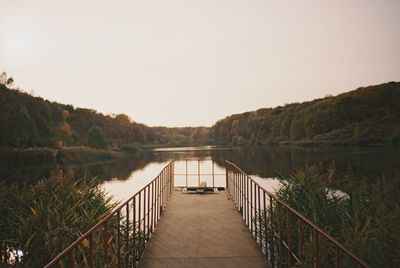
(264, 164)
(123, 178)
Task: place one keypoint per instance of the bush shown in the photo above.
(45, 218)
(131, 148)
(96, 138)
(364, 216)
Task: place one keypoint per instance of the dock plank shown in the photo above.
(202, 230)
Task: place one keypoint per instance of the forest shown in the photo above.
(365, 116)
(27, 121)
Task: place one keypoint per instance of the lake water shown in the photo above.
(124, 177)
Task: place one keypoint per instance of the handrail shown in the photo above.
(197, 165)
(242, 194)
(137, 230)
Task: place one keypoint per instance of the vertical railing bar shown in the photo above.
(234, 189)
(259, 217)
(91, 251)
(239, 190)
(337, 265)
(173, 174)
(251, 208)
(139, 229)
(127, 236)
(226, 178)
(148, 214)
(186, 173)
(153, 200)
(71, 259)
(163, 190)
(198, 173)
(213, 178)
(255, 213)
(119, 238)
(247, 201)
(242, 191)
(134, 234)
(300, 251)
(265, 223)
(288, 238)
(105, 243)
(272, 231)
(171, 179)
(144, 218)
(232, 185)
(157, 199)
(280, 236)
(316, 249)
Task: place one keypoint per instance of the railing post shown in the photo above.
(337, 257)
(259, 217)
(198, 172)
(213, 179)
(272, 232)
(186, 173)
(300, 250)
(316, 249)
(119, 238)
(71, 260)
(105, 244)
(127, 251)
(226, 178)
(90, 257)
(288, 238)
(265, 223)
(247, 201)
(251, 207)
(242, 194)
(148, 213)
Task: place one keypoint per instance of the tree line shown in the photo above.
(365, 116)
(28, 121)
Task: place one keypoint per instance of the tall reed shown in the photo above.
(44, 218)
(364, 215)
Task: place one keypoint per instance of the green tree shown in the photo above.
(96, 138)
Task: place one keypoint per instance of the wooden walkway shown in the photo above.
(202, 230)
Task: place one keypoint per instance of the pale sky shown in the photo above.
(192, 62)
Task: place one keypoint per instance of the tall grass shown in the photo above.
(44, 218)
(363, 215)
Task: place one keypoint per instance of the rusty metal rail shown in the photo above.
(120, 238)
(192, 170)
(286, 237)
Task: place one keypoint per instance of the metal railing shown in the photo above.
(194, 170)
(286, 237)
(120, 238)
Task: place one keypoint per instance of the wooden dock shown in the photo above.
(202, 230)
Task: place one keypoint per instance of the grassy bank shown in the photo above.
(71, 155)
(364, 216)
(42, 219)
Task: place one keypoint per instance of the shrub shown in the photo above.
(44, 218)
(96, 138)
(131, 148)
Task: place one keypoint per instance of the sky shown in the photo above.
(193, 62)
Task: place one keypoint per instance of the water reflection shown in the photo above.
(123, 177)
(122, 190)
(271, 161)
